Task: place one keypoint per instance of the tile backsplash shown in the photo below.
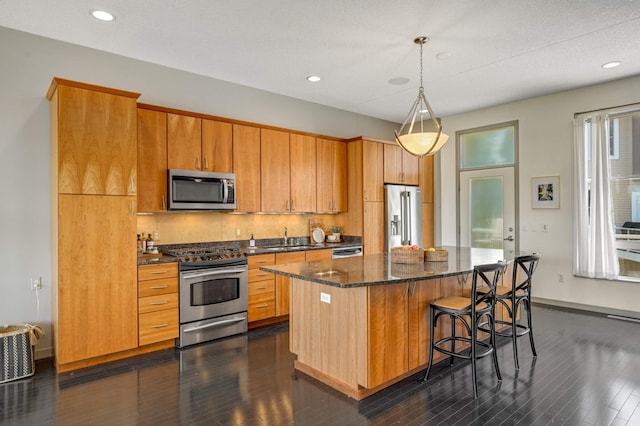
(194, 227)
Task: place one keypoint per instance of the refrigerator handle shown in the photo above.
(408, 222)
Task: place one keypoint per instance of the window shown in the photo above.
(622, 129)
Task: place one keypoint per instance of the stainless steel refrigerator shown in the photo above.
(402, 216)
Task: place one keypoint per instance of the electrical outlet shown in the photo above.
(156, 236)
(325, 297)
(238, 232)
(544, 227)
(560, 278)
(36, 283)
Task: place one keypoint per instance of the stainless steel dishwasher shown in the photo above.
(340, 252)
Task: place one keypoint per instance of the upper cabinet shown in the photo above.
(331, 176)
(152, 161)
(288, 172)
(399, 166)
(96, 140)
(199, 144)
(246, 166)
(184, 134)
(426, 178)
(217, 146)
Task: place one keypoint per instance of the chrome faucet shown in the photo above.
(286, 238)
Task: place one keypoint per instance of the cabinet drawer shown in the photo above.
(157, 303)
(161, 270)
(158, 326)
(262, 287)
(313, 255)
(258, 275)
(261, 309)
(261, 260)
(155, 287)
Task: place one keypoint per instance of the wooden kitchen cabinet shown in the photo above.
(303, 164)
(331, 176)
(275, 178)
(94, 292)
(426, 175)
(95, 139)
(95, 297)
(184, 146)
(283, 283)
(400, 167)
(246, 166)
(217, 146)
(262, 290)
(158, 305)
(313, 255)
(365, 193)
(152, 161)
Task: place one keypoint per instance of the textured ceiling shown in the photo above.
(499, 50)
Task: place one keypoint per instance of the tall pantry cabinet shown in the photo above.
(93, 204)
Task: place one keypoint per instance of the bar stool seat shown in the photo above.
(470, 312)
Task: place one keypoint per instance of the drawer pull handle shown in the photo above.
(261, 288)
(159, 303)
(266, 305)
(160, 326)
(158, 287)
(261, 261)
(262, 275)
(158, 272)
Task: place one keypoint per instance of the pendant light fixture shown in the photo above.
(423, 135)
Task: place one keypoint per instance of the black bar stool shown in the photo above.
(470, 312)
(511, 297)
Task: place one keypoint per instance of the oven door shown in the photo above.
(209, 293)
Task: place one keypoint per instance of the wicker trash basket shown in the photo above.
(16, 351)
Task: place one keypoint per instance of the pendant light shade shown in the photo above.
(421, 133)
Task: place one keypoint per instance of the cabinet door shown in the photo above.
(392, 164)
(339, 177)
(409, 169)
(373, 229)
(184, 142)
(217, 146)
(427, 224)
(421, 294)
(372, 171)
(97, 297)
(283, 283)
(246, 166)
(426, 178)
(313, 255)
(275, 178)
(324, 172)
(302, 155)
(96, 138)
(152, 161)
(388, 333)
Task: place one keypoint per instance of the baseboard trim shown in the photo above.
(610, 312)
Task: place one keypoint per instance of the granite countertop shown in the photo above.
(377, 269)
(151, 259)
(249, 251)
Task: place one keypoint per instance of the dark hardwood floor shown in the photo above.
(587, 372)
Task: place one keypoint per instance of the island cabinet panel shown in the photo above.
(421, 294)
(246, 166)
(283, 283)
(95, 138)
(388, 333)
(275, 178)
(152, 161)
(184, 135)
(217, 146)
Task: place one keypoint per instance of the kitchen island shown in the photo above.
(360, 324)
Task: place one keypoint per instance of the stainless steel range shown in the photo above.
(213, 293)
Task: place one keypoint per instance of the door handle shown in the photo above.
(509, 238)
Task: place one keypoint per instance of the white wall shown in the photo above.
(546, 137)
(27, 65)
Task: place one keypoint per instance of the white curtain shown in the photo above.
(594, 234)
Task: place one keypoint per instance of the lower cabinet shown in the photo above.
(262, 288)
(283, 283)
(158, 306)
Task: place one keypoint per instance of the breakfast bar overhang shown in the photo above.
(360, 324)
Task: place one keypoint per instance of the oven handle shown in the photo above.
(220, 272)
(215, 324)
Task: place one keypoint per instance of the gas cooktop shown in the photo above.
(207, 257)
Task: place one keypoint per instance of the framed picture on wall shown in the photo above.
(545, 192)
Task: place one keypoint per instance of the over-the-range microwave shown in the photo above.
(196, 190)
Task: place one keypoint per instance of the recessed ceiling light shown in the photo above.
(611, 64)
(313, 78)
(102, 15)
(399, 81)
